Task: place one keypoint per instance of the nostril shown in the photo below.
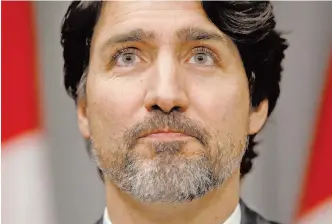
(156, 107)
(176, 108)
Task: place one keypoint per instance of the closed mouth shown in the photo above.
(164, 132)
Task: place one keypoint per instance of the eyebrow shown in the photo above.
(185, 35)
(198, 34)
(136, 35)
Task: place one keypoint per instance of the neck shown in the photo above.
(214, 207)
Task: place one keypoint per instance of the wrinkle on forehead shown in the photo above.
(132, 6)
(119, 17)
(120, 10)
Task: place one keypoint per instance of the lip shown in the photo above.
(165, 134)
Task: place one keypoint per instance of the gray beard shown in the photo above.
(170, 177)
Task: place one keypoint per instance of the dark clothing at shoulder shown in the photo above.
(100, 221)
(248, 216)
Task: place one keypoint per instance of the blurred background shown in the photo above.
(48, 177)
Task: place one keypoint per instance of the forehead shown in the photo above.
(163, 18)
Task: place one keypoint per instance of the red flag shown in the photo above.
(316, 201)
(26, 193)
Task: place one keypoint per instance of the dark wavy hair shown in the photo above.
(250, 25)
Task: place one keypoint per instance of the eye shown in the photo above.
(126, 57)
(203, 56)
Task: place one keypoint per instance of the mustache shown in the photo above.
(174, 121)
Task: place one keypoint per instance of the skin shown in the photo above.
(205, 90)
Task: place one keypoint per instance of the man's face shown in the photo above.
(167, 104)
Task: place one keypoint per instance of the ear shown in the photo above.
(83, 122)
(258, 116)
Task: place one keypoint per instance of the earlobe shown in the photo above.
(258, 117)
(83, 122)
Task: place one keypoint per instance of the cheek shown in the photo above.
(223, 105)
(113, 104)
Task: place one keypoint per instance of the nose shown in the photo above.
(166, 90)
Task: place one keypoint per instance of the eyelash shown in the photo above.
(136, 52)
(207, 51)
(119, 51)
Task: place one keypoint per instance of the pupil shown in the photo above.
(128, 58)
(200, 57)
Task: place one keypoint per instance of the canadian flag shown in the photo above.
(26, 192)
(316, 201)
